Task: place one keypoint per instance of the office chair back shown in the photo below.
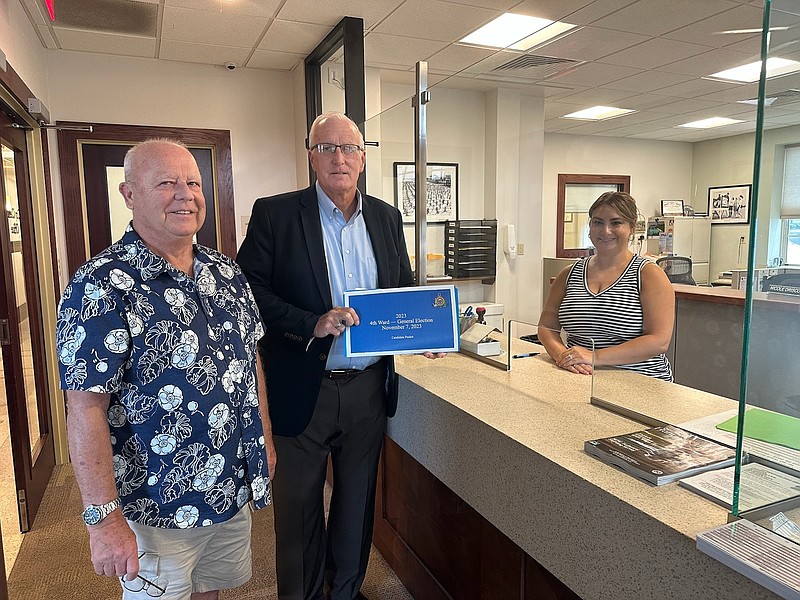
(677, 268)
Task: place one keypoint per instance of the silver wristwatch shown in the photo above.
(95, 513)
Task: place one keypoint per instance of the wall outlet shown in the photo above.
(520, 248)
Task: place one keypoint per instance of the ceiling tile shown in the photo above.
(739, 92)
(291, 36)
(590, 43)
(647, 81)
(689, 105)
(224, 29)
(707, 63)
(654, 53)
(330, 13)
(110, 16)
(501, 5)
(649, 102)
(594, 74)
(749, 45)
(202, 53)
(105, 43)
(657, 17)
(596, 97)
(397, 50)
(709, 31)
(637, 128)
(252, 8)
(456, 57)
(577, 12)
(658, 134)
(435, 20)
(274, 61)
(701, 87)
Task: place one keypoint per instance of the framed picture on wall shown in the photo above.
(729, 204)
(672, 208)
(442, 191)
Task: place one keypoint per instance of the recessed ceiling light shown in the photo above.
(750, 73)
(754, 101)
(518, 32)
(712, 122)
(598, 113)
(753, 30)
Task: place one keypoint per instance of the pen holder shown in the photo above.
(466, 322)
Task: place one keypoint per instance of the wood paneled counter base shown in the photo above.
(486, 490)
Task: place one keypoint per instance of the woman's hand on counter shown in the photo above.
(434, 354)
(576, 359)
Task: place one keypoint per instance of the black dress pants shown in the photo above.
(348, 424)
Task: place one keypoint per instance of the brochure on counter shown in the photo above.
(757, 553)
(765, 451)
(759, 485)
(661, 454)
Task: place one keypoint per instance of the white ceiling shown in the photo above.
(647, 55)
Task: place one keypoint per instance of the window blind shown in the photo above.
(790, 201)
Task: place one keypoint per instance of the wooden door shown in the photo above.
(90, 161)
(21, 331)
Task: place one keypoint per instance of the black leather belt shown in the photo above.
(342, 374)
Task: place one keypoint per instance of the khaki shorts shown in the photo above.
(186, 561)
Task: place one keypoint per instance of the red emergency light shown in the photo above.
(51, 9)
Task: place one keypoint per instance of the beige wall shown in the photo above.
(23, 50)
(658, 170)
(256, 106)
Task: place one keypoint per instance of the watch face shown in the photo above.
(92, 515)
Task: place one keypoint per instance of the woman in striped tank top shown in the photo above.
(619, 301)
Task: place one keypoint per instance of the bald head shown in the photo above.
(328, 118)
(135, 157)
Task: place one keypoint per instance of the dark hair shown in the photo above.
(621, 202)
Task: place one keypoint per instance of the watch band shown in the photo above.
(95, 513)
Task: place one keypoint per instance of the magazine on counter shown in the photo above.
(759, 486)
(661, 454)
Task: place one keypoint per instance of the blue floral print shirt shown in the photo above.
(178, 358)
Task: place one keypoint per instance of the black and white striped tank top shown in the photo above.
(609, 318)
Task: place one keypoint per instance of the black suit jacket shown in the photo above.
(283, 258)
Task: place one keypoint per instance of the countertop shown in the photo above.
(511, 445)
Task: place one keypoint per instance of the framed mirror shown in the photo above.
(576, 193)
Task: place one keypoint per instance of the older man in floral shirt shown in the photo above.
(168, 425)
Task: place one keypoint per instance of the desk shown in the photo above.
(509, 448)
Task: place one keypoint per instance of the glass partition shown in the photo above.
(504, 350)
(498, 139)
(767, 423)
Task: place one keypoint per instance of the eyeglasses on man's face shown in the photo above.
(154, 587)
(331, 148)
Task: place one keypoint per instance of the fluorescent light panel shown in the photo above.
(754, 101)
(518, 32)
(709, 123)
(750, 73)
(598, 113)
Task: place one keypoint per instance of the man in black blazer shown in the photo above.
(303, 249)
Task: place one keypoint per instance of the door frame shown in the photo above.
(32, 465)
(72, 179)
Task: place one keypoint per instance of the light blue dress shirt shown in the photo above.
(351, 266)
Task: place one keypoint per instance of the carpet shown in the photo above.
(54, 563)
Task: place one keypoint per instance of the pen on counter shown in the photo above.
(526, 355)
